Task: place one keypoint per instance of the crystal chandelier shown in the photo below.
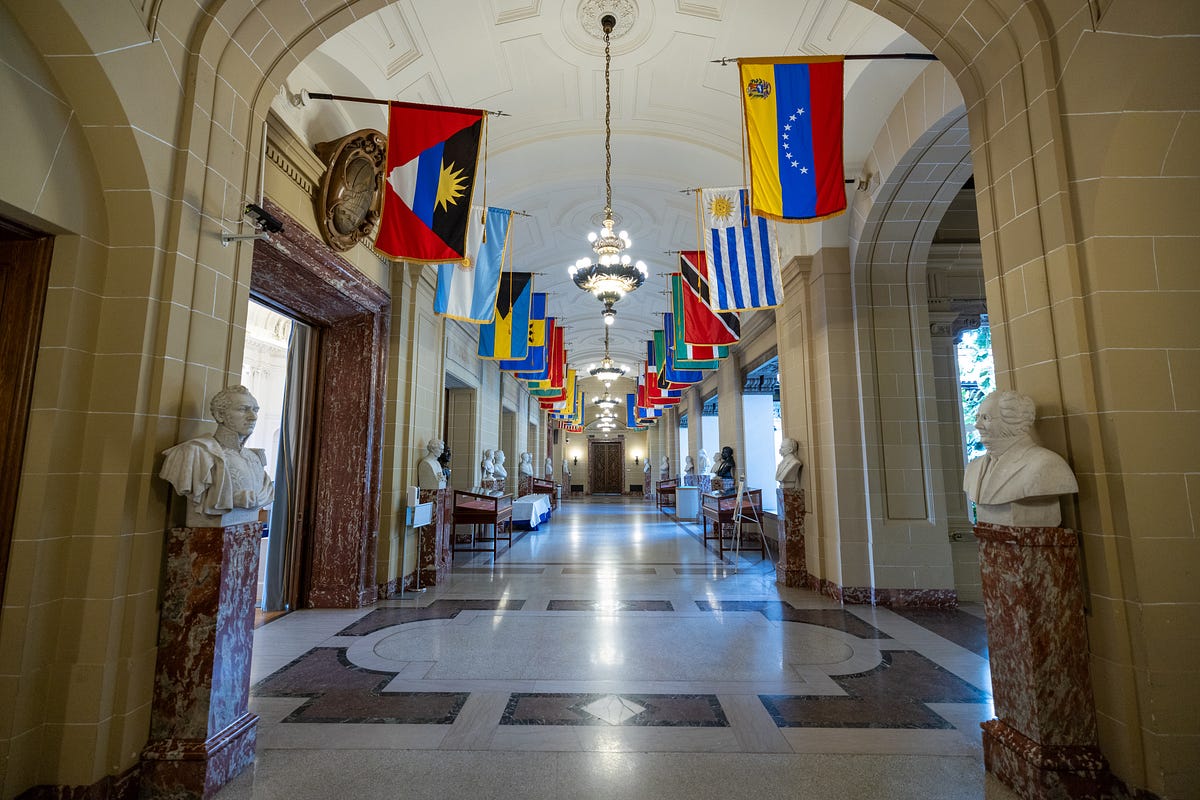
(606, 403)
(613, 274)
(607, 370)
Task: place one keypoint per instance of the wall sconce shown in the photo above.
(575, 461)
(635, 460)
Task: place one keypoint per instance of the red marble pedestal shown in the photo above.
(201, 731)
(1043, 742)
(524, 485)
(705, 482)
(792, 569)
(434, 540)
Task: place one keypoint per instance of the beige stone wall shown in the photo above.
(1084, 140)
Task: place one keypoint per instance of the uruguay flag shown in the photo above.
(742, 254)
(467, 291)
(793, 111)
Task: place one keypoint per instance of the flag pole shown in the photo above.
(376, 101)
(726, 61)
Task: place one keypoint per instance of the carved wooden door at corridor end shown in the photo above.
(607, 466)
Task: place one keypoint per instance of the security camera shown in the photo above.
(262, 219)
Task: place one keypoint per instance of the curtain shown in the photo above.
(294, 411)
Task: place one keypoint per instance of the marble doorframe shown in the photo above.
(298, 273)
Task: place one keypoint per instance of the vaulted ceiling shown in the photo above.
(676, 117)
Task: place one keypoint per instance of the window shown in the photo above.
(760, 419)
(683, 442)
(976, 379)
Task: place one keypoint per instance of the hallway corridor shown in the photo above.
(610, 654)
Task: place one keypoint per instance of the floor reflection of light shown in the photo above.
(499, 615)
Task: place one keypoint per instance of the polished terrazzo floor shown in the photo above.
(610, 654)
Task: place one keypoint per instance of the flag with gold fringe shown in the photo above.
(793, 112)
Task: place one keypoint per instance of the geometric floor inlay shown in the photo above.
(438, 609)
(834, 618)
(343, 693)
(650, 710)
(893, 695)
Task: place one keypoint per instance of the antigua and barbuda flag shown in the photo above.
(741, 251)
(466, 290)
(507, 336)
(431, 159)
(539, 345)
(793, 112)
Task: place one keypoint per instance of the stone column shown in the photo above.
(792, 569)
(1043, 742)
(201, 731)
(434, 557)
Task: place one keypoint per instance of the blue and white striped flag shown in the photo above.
(467, 291)
(742, 252)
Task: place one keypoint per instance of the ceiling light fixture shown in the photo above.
(613, 274)
(608, 370)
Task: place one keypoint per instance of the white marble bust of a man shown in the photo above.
(549, 467)
(498, 470)
(429, 471)
(664, 467)
(689, 466)
(487, 465)
(788, 470)
(1016, 482)
(527, 464)
(702, 463)
(225, 482)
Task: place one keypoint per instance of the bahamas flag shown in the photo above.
(535, 360)
(507, 336)
(431, 158)
(467, 290)
(793, 110)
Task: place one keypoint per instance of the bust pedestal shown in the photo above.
(792, 569)
(705, 482)
(201, 731)
(434, 560)
(1043, 743)
(524, 485)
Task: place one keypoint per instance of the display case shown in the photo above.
(546, 487)
(480, 510)
(720, 510)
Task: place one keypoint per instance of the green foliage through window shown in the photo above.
(976, 379)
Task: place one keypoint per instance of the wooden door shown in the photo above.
(607, 462)
(24, 272)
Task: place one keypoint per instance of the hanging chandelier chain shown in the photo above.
(607, 124)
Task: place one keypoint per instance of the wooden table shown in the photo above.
(482, 508)
(720, 508)
(546, 487)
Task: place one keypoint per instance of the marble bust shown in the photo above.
(689, 466)
(549, 467)
(646, 469)
(702, 463)
(664, 468)
(527, 464)
(725, 464)
(444, 461)
(788, 471)
(487, 466)
(498, 470)
(1016, 481)
(429, 471)
(566, 468)
(225, 483)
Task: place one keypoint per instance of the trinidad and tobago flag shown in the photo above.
(431, 159)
